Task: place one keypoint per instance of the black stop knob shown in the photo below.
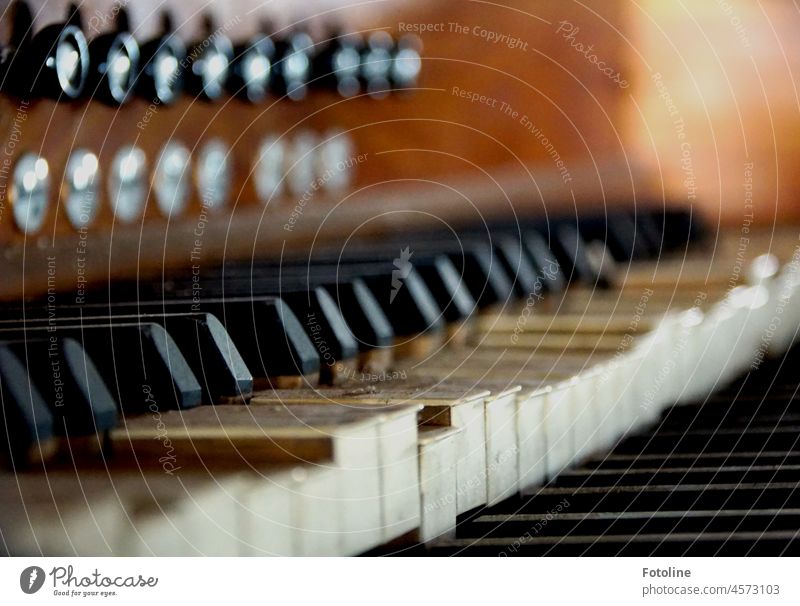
(161, 74)
(337, 66)
(251, 71)
(293, 65)
(114, 67)
(209, 65)
(58, 62)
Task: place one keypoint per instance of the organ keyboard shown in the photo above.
(195, 408)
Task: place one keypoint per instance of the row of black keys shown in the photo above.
(721, 477)
(212, 338)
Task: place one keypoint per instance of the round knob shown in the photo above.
(59, 62)
(115, 61)
(80, 188)
(268, 173)
(161, 76)
(301, 164)
(30, 191)
(210, 63)
(127, 184)
(171, 179)
(213, 174)
(293, 65)
(251, 71)
(336, 161)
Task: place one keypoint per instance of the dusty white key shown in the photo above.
(500, 373)
(731, 344)
(443, 405)
(317, 514)
(722, 332)
(271, 514)
(63, 513)
(533, 422)
(685, 376)
(532, 435)
(239, 437)
(399, 472)
(569, 418)
(497, 369)
(453, 406)
(559, 426)
(750, 312)
(500, 427)
(265, 510)
(654, 353)
(636, 379)
(358, 467)
(628, 406)
(437, 482)
(380, 467)
(471, 454)
(787, 328)
(610, 404)
(92, 512)
(203, 521)
(757, 307)
(764, 278)
(551, 403)
(502, 459)
(583, 401)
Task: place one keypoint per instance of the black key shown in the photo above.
(144, 363)
(27, 421)
(649, 233)
(618, 232)
(406, 301)
(201, 338)
(364, 316)
(130, 358)
(327, 329)
(270, 338)
(483, 274)
(548, 269)
(69, 382)
(680, 228)
(447, 288)
(570, 251)
(517, 264)
(212, 356)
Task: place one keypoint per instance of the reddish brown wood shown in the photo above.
(431, 155)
